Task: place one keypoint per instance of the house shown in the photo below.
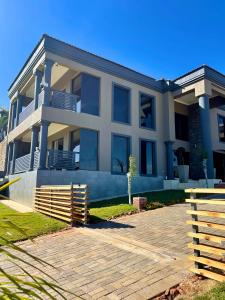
(76, 117)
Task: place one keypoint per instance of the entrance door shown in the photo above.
(219, 164)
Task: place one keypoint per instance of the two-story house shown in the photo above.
(76, 117)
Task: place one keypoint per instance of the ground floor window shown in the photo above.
(147, 158)
(84, 144)
(120, 153)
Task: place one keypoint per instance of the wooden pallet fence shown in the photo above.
(208, 258)
(66, 202)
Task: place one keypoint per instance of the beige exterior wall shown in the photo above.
(2, 154)
(103, 123)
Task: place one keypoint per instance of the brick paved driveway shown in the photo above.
(134, 257)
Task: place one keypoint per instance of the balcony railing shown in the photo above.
(58, 159)
(36, 159)
(22, 164)
(26, 112)
(65, 100)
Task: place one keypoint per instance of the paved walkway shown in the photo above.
(134, 257)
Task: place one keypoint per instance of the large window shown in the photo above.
(181, 127)
(221, 124)
(84, 144)
(121, 104)
(147, 111)
(87, 87)
(147, 158)
(120, 154)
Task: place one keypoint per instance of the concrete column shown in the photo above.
(9, 158)
(34, 143)
(10, 118)
(18, 108)
(43, 144)
(169, 160)
(206, 132)
(47, 81)
(14, 154)
(37, 86)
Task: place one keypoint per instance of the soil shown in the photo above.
(190, 287)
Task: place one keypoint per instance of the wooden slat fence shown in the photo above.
(66, 202)
(208, 232)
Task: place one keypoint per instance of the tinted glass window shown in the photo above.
(221, 124)
(121, 104)
(181, 127)
(147, 118)
(88, 149)
(87, 87)
(147, 158)
(120, 154)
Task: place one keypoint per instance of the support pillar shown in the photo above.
(47, 81)
(18, 108)
(206, 132)
(34, 143)
(43, 144)
(14, 154)
(169, 160)
(37, 86)
(8, 171)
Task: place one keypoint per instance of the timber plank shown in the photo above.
(209, 274)
(54, 215)
(208, 249)
(53, 205)
(206, 224)
(206, 201)
(66, 203)
(67, 214)
(205, 191)
(207, 237)
(206, 213)
(208, 261)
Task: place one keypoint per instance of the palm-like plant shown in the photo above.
(24, 285)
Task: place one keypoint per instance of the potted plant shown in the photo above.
(204, 164)
(183, 170)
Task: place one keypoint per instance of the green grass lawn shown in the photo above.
(105, 210)
(217, 293)
(33, 224)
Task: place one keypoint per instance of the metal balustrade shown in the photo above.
(28, 110)
(64, 100)
(36, 159)
(58, 159)
(22, 164)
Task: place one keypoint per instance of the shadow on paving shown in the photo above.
(101, 224)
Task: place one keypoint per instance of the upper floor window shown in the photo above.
(181, 127)
(121, 104)
(120, 154)
(147, 158)
(147, 111)
(87, 87)
(221, 124)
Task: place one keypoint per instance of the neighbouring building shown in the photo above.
(76, 117)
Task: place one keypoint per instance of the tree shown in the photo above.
(132, 173)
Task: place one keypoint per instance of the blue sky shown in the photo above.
(161, 38)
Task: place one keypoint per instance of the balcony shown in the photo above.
(65, 101)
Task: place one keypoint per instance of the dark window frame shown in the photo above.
(99, 95)
(177, 136)
(114, 84)
(155, 165)
(98, 144)
(129, 150)
(218, 120)
(153, 110)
